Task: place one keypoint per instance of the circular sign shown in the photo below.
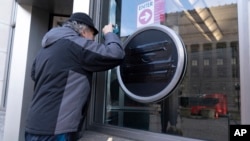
(154, 64)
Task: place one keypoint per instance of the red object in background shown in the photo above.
(196, 110)
(216, 101)
(221, 106)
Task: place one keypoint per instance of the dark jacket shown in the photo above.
(62, 74)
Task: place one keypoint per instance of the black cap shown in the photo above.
(83, 18)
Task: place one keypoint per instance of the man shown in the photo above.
(62, 74)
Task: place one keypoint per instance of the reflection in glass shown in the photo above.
(207, 100)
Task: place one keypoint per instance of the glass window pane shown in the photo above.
(207, 100)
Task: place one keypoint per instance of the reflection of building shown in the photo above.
(213, 70)
(212, 65)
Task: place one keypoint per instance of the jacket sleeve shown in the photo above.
(100, 57)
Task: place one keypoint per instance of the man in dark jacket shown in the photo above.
(62, 74)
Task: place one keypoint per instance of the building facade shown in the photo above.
(211, 96)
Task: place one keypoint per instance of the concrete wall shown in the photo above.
(31, 25)
(6, 26)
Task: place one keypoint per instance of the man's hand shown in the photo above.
(107, 28)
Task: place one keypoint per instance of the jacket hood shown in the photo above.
(57, 33)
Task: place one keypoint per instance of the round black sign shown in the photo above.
(154, 64)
